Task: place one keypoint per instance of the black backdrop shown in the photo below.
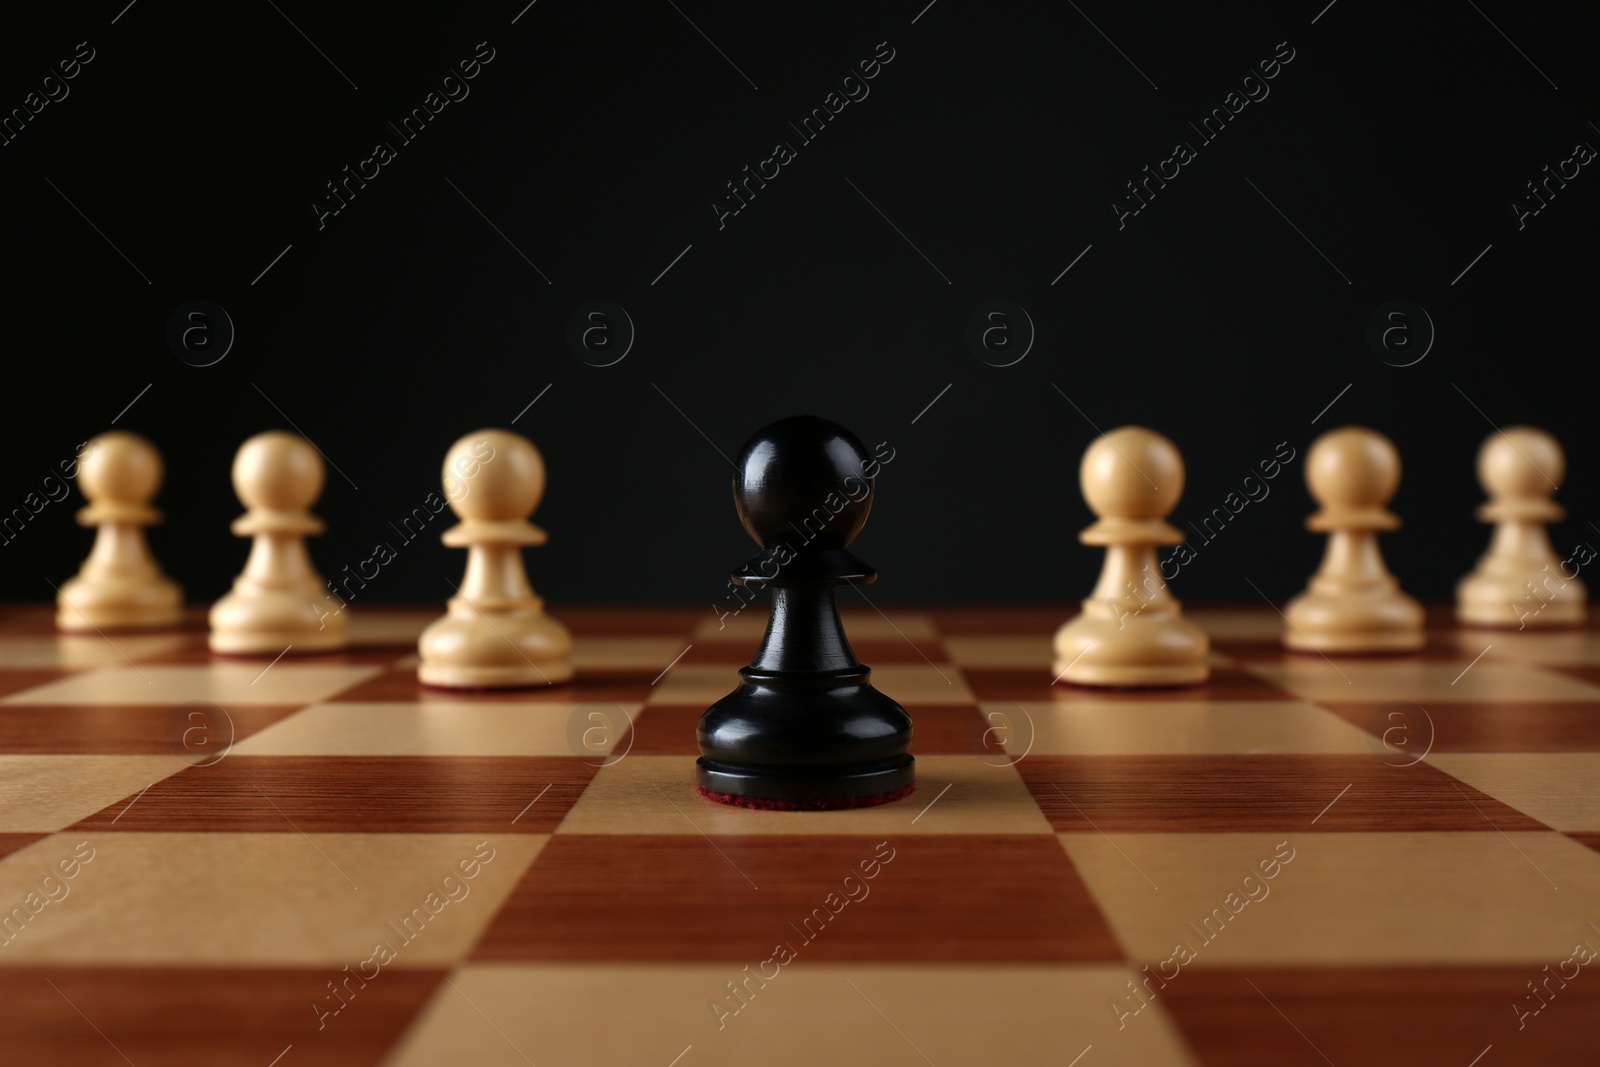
(1378, 164)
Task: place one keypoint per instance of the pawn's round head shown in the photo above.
(278, 471)
(493, 476)
(1521, 462)
(119, 468)
(1353, 468)
(1132, 473)
(804, 478)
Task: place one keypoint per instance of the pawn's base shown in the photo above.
(1520, 600)
(472, 648)
(1367, 619)
(837, 803)
(78, 619)
(1115, 677)
(107, 601)
(1340, 643)
(274, 642)
(818, 788)
(527, 676)
(262, 619)
(1157, 648)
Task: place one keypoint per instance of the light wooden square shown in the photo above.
(656, 795)
(1130, 728)
(1560, 789)
(626, 653)
(922, 683)
(264, 682)
(41, 794)
(80, 652)
(501, 1016)
(1234, 624)
(1001, 651)
(367, 629)
(1367, 898)
(1565, 648)
(1420, 681)
(694, 684)
(443, 728)
(198, 899)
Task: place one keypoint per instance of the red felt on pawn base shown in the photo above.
(810, 804)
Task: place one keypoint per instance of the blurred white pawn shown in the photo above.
(1520, 581)
(120, 586)
(1353, 603)
(1131, 631)
(496, 634)
(278, 602)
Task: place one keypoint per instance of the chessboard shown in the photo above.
(313, 860)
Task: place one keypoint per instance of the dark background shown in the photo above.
(995, 140)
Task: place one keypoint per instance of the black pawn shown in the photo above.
(805, 729)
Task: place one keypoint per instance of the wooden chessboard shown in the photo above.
(207, 855)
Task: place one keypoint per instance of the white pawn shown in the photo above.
(495, 634)
(278, 602)
(1353, 603)
(120, 586)
(1520, 581)
(1131, 631)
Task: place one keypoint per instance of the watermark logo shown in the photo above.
(1400, 333)
(1252, 88)
(452, 88)
(1253, 488)
(451, 887)
(201, 733)
(52, 888)
(1583, 953)
(1400, 734)
(1000, 333)
(1543, 189)
(600, 333)
(1005, 735)
(595, 730)
(200, 333)
(52, 88)
(1253, 888)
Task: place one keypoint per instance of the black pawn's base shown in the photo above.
(827, 803)
(806, 742)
